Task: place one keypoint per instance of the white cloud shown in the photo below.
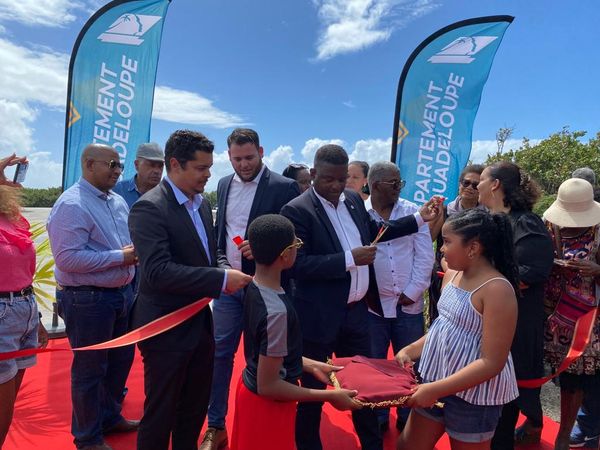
(35, 78)
(312, 145)
(221, 167)
(33, 75)
(174, 105)
(43, 171)
(352, 25)
(372, 150)
(369, 150)
(41, 76)
(50, 13)
(15, 131)
(349, 104)
(280, 158)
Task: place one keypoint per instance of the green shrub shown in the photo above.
(40, 198)
(543, 203)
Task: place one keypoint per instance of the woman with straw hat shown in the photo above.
(574, 223)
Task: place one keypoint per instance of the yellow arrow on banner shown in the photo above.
(74, 115)
(402, 132)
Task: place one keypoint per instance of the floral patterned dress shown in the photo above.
(558, 335)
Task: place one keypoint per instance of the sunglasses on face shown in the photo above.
(112, 164)
(297, 243)
(396, 184)
(467, 183)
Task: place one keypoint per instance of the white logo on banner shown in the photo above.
(460, 50)
(128, 29)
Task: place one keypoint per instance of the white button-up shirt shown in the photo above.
(349, 237)
(403, 265)
(237, 211)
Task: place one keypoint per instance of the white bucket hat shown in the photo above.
(574, 206)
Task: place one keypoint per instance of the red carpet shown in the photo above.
(43, 412)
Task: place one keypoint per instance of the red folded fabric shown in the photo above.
(376, 380)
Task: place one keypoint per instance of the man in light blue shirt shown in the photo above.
(95, 262)
(149, 163)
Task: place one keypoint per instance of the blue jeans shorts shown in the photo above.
(464, 421)
(18, 330)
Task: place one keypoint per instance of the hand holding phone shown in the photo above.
(20, 172)
(10, 160)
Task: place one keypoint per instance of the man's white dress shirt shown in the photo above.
(403, 265)
(237, 211)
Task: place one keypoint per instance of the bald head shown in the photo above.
(101, 166)
(98, 151)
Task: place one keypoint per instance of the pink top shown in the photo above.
(17, 255)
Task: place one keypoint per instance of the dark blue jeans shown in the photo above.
(98, 376)
(588, 417)
(400, 331)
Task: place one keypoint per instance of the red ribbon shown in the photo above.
(156, 327)
(581, 337)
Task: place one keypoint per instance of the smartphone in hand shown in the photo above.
(20, 172)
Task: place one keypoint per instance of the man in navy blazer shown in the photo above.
(332, 280)
(251, 191)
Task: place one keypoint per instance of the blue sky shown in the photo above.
(301, 73)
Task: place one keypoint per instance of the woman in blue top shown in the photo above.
(465, 358)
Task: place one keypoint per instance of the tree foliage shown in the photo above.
(211, 197)
(552, 160)
(40, 198)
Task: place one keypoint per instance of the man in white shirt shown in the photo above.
(402, 270)
(251, 191)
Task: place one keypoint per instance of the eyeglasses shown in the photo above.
(297, 244)
(467, 183)
(112, 164)
(396, 184)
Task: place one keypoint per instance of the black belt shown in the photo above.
(22, 293)
(94, 288)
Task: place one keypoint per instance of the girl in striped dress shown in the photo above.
(465, 358)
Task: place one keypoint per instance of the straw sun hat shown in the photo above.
(574, 206)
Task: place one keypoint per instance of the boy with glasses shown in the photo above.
(268, 390)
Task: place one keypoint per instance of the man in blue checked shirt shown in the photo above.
(95, 262)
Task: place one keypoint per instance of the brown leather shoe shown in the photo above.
(124, 426)
(103, 446)
(214, 439)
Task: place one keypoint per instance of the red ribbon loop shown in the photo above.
(154, 328)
